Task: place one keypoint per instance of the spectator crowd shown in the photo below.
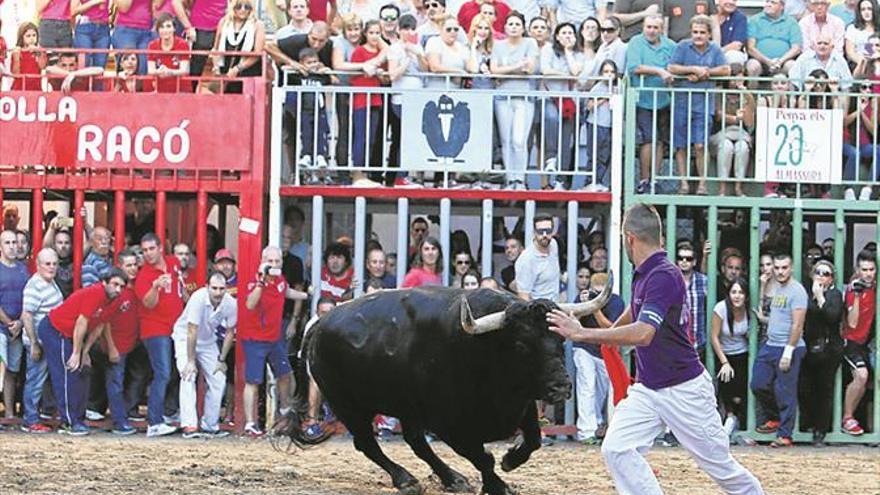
(141, 332)
(526, 50)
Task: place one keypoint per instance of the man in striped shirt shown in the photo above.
(99, 261)
(41, 295)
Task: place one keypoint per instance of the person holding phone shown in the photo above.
(262, 340)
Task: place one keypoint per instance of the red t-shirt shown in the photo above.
(122, 315)
(88, 302)
(171, 61)
(469, 10)
(860, 333)
(263, 323)
(318, 9)
(361, 54)
(189, 281)
(418, 277)
(333, 287)
(159, 321)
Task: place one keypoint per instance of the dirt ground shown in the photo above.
(105, 464)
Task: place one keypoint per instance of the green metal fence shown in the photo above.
(703, 213)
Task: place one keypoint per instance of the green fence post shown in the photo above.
(797, 242)
(839, 263)
(754, 297)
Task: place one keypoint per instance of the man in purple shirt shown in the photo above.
(673, 389)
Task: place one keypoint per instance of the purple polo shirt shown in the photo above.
(659, 298)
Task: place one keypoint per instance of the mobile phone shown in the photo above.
(65, 222)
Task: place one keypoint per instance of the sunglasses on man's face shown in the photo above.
(608, 29)
(389, 18)
(462, 262)
(452, 29)
(685, 258)
(543, 231)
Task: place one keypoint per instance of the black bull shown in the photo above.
(420, 356)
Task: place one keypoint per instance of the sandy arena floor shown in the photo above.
(109, 465)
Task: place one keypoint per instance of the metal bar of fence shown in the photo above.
(360, 237)
(402, 239)
(486, 238)
(317, 247)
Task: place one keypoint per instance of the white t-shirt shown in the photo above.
(738, 341)
(410, 79)
(858, 37)
(454, 56)
(199, 311)
(538, 274)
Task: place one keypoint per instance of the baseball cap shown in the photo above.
(224, 254)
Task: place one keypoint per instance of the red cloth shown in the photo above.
(27, 65)
(418, 277)
(470, 9)
(87, 302)
(862, 330)
(617, 372)
(263, 323)
(172, 61)
(122, 315)
(318, 9)
(361, 54)
(159, 321)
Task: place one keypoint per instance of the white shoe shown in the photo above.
(320, 162)
(849, 194)
(94, 415)
(865, 193)
(550, 165)
(559, 186)
(160, 430)
(595, 188)
(730, 425)
(171, 419)
(305, 162)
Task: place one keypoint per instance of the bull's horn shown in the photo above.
(589, 307)
(483, 324)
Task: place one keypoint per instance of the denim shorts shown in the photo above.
(258, 353)
(11, 352)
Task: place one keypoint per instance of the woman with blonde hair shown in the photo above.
(239, 31)
(481, 40)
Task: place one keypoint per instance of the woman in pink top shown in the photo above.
(427, 265)
(134, 23)
(54, 23)
(92, 30)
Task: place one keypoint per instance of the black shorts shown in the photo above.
(856, 355)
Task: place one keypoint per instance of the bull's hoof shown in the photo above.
(414, 488)
(459, 485)
(499, 490)
(511, 461)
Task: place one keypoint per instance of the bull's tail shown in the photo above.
(288, 432)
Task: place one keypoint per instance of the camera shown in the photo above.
(65, 223)
(860, 285)
(269, 271)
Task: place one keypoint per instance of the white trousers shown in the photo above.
(689, 410)
(591, 390)
(514, 117)
(207, 356)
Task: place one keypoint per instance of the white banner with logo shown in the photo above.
(451, 131)
(799, 145)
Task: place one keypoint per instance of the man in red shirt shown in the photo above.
(860, 308)
(261, 336)
(63, 336)
(160, 289)
(184, 256)
(119, 334)
(337, 273)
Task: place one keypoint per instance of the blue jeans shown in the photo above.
(159, 350)
(114, 374)
(132, 38)
(312, 146)
(94, 36)
(774, 387)
(362, 126)
(37, 373)
(864, 153)
(552, 138)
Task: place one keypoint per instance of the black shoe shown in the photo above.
(819, 439)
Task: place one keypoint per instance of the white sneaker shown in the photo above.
(730, 425)
(305, 162)
(94, 415)
(160, 430)
(595, 188)
(559, 186)
(320, 162)
(865, 193)
(849, 194)
(550, 165)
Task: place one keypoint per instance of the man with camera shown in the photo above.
(262, 339)
(860, 308)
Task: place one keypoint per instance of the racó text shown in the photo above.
(118, 144)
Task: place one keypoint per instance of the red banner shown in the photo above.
(110, 130)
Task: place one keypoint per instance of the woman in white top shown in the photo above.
(730, 340)
(514, 56)
(406, 59)
(343, 46)
(562, 61)
(867, 22)
(446, 55)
